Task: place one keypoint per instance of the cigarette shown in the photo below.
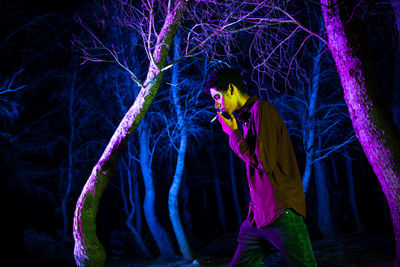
(214, 118)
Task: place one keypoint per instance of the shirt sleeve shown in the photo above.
(241, 148)
(266, 126)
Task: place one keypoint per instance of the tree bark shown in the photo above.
(88, 250)
(372, 124)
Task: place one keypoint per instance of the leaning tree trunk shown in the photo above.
(375, 131)
(88, 250)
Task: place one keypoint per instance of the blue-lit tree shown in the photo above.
(185, 126)
(182, 133)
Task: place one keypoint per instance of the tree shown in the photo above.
(185, 127)
(88, 250)
(373, 126)
(125, 90)
(183, 132)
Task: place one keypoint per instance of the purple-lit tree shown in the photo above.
(148, 135)
(88, 250)
(125, 90)
(376, 132)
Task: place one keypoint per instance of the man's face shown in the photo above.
(218, 98)
(221, 100)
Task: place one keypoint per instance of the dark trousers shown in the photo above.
(288, 234)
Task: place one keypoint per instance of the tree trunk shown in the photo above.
(325, 222)
(157, 231)
(173, 203)
(88, 250)
(334, 168)
(173, 196)
(375, 131)
(187, 217)
(309, 132)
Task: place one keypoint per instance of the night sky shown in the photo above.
(61, 99)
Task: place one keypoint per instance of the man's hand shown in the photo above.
(228, 125)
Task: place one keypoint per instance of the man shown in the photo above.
(277, 205)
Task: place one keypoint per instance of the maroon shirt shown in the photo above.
(272, 172)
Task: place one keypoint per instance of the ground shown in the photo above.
(346, 251)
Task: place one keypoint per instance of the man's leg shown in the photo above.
(251, 248)
(289, 234)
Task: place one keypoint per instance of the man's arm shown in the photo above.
(266, 127)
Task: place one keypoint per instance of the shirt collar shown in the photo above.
(244, 111)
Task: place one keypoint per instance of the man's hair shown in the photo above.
(222, 77)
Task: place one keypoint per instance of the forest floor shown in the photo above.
(346, 251)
